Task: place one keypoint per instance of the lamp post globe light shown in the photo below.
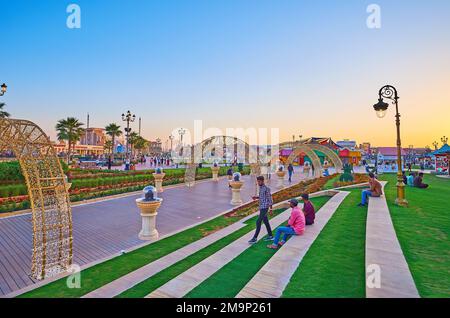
(435, 145)
(444, 140)
(390, 92)
(3, 89)
(181, 132)
(128, 117)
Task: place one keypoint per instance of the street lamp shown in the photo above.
(181, 132)
(128, 118)
(444, 140)
(3, 88)
(381, 107)
(435, 145)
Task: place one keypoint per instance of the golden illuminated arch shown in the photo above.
(315, 161)
(335, 160)
(217, 142)
(47, 190)
(309, 150)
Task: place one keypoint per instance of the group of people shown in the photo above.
(297, 222)
(376, 190)
(414, 179)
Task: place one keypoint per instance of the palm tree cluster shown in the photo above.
(113, 131)
(70, 130)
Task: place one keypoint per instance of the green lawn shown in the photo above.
(236, 274)
(423, 231)
(104, 273)
(334, 265)
(147, 286)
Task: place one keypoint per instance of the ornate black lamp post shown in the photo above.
(381, 107)
(128, 118)
(435, 145)
(3, 89)
(444, 140)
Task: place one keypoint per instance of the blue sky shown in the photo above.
(310, 67)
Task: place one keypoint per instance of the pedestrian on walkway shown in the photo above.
(290, 172)
(265, 206)
(296, 226)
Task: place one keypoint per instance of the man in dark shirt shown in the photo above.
(418, 182)
(265, 206)
(308, 209)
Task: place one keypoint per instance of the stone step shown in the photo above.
(384, 256)
(274, 276)
(187, 281)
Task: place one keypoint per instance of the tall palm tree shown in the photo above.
(3, 114)
(133, 137)
(113, 130)
(108, 146)
(69, 129)
(140, 143)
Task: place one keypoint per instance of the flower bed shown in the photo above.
(306, 186)
(98, 183)
(357, 178)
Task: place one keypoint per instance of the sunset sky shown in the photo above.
(306, 67)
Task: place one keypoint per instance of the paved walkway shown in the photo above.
(103, 229)
(273, 277)
(384, 256)
(194, 276)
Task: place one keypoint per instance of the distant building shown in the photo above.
(346, 143)
(387, 159)
(365, 147)
(93, 137)
(155, 148)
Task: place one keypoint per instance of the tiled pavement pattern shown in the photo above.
(273, 277)
(384, 253)
(103, 229)
(185, 282)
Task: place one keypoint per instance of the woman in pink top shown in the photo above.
(296, 226)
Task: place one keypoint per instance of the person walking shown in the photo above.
(290, 172)
(265, 207)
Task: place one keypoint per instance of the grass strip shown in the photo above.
(229, 280)
(334, 265)
(96, 276)
(152, 283)
(423, 232)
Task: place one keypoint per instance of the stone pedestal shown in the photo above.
(280, 175)
(158, 181)
(149, 211)
(215, 173)
(236, 192)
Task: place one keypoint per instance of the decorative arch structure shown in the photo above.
(220, 143)
(335, 160)
(47, 189)
(309, 150)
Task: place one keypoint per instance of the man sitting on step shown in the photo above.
(308, 209)
(418, 182)
(374, 191)
(296, 226)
